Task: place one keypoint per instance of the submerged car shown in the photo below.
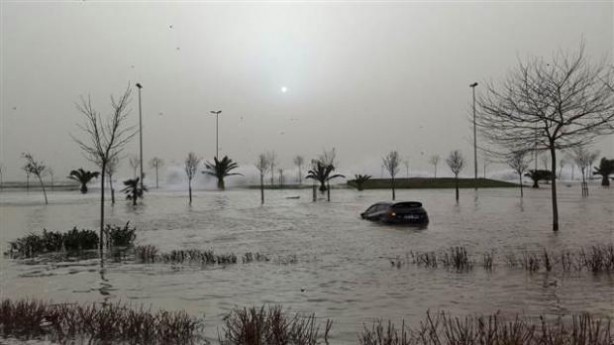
(407, 212)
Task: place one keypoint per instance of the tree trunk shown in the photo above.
(262, 189)
(322, 186)
(393, 195)
(190, 190)
(555, 207)
(521, 192)
(456, 185)
(328, 191)
(135, 194)
(112, 190)
(220, 183)
(44, 191)
(83, 187)
(314, 195)
(157, 177)
(605, 181)
(104, 165)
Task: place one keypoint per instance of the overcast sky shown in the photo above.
(362, 77)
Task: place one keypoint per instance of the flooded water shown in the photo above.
(343, 270)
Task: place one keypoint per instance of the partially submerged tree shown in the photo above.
(83, 177)
(456, 162)
(298, 161)
(105, 139)
(133, 190)
(519, 161)
(322, 168)
(605, 169)
(156, 163)
(549, 105)
(191, 166)
(434, 160)
(221, 169)
(262, 165)
(37, 169)
(359, 181)
(391, 163)
(584, 159)
(539, 175)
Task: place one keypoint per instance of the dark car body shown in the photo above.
(407, 212)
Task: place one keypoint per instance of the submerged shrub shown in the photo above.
(260, 326)
(118, 236)
(105, 324)
(72, 241)
(77, 240)
(442, 329)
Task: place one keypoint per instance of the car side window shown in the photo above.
(372, 208)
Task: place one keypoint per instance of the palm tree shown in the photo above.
(133, 190)
(359, 181)
(322, 173)
(221, 169)
(606, 167)
(83, 177)
(537, 175)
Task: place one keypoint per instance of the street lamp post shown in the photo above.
(216, 113)
(139, 86)
(475, 140)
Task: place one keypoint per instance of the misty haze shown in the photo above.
(306, 172)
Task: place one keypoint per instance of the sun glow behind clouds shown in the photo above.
(284, 89)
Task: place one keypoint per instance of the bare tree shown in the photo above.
(456, 162)
(272, 159)
(406, 163)
(134, 162)
(37, 169)
(191, 166)
(281, 177)
(105, 139)
(584, 159)
(298, 161)
(391, 163)
(519, 161)
(156, 163)
(434, 160)
(551, 106)
(262, 165)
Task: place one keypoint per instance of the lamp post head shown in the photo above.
(139, 85)
(474, 84)
(215, 112)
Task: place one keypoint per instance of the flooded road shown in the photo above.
(343, 269)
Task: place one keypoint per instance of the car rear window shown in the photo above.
(410, 204)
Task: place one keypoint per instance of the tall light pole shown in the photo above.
(217, 114)
(139, 86)
(475, 139)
